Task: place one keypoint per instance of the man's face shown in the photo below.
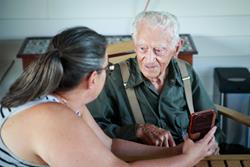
(154, 50)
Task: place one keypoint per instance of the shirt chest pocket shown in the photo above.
(182, 121)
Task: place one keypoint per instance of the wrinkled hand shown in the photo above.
(202, 148)
(152, 135)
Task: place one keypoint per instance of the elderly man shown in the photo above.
(156, 80)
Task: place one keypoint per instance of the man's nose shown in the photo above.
(150, 57)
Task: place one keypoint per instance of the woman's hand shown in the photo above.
(202, 148)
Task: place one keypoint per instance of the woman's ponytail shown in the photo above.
(40, 78)
(79, 51)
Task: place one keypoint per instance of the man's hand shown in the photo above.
(152, 135)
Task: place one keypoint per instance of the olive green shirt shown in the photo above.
(167, 109)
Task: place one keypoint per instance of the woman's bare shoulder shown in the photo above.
(54, 133)
(67, 133)
(54, 116)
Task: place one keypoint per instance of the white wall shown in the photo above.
(220, 28)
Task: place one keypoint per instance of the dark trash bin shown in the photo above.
(232, 89)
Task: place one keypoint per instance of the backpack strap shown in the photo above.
(187, 85)
(133, 101)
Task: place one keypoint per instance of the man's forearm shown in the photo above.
(131, 151)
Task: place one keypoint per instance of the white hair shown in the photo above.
(164, 20)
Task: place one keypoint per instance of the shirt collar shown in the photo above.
(174, 75)
(136, 77)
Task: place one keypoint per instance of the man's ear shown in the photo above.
(178, 46)
(92, 79)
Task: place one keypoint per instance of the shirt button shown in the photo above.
(172, 81)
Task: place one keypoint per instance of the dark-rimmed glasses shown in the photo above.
(108, 69)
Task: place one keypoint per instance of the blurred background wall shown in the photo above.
(220, 28)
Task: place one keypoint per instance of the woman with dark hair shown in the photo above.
(44, 120)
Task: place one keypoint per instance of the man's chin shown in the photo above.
(150, 76)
